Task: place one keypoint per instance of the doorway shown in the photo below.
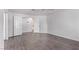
(34, 24)
(27, 24)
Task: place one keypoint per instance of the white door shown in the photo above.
(17, 25)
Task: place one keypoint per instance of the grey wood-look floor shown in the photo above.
(40, 41)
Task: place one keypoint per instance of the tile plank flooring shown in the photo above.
(40, 41)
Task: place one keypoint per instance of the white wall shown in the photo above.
(43, 24)
(17, 25)
(1, 24)
(27, 24)
(36, 24)
(10, 24)
(40, 24)
(64, 23)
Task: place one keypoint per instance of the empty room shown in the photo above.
(39, 29)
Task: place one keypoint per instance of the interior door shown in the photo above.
(17, 25)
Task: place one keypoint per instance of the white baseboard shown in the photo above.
(65, 37)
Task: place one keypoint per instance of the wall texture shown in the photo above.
(25, 26)
(64, 23)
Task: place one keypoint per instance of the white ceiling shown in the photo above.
(32, 11)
